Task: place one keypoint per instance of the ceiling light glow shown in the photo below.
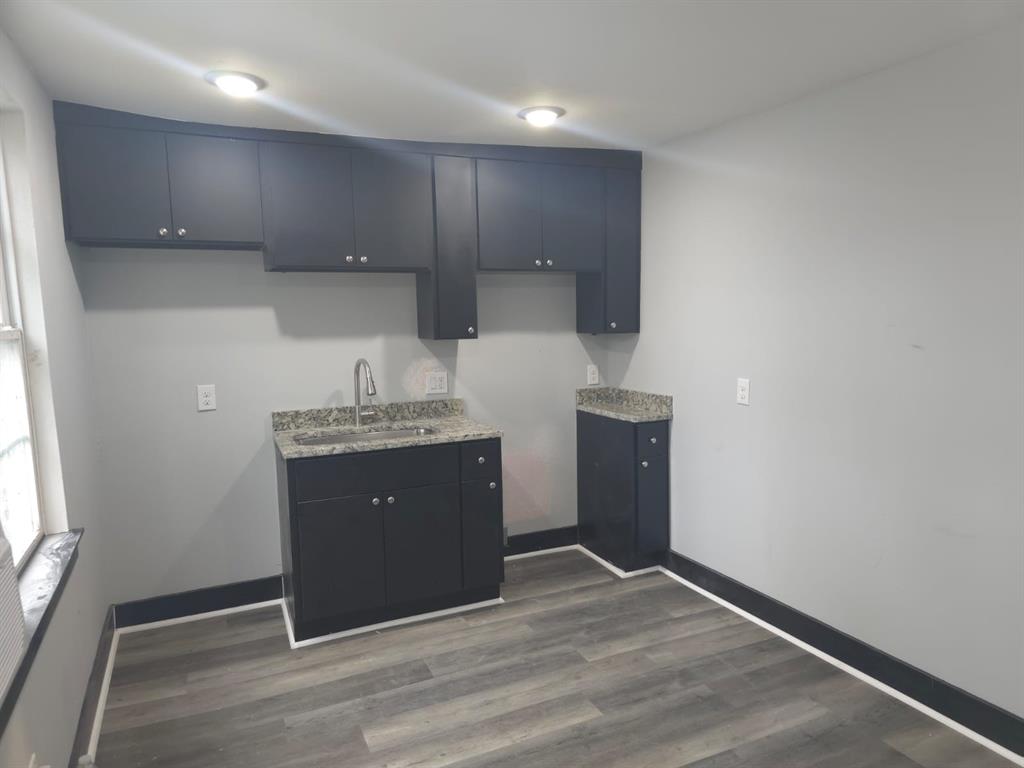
(237, 84)
(541, 117)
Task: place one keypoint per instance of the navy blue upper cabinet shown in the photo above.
(573, 216)
(123, 186)
(307, 206)
(509, 214)
(215, 189)
(622, 265)
(114, 184)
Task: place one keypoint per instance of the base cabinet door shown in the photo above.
(422, 543)
(482, 543)
(341, 562)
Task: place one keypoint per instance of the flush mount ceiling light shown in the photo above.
(540, 117)
(238, 84)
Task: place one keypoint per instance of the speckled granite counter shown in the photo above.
(624, 404)
(446, 418)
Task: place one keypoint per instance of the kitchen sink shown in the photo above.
(337, 438)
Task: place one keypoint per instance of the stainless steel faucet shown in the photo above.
(371, 389)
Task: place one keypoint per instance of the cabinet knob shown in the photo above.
(537, 262)
(349, 259)
(643, 464)
(481, 460)
(363, 259)
(612, 324)
(550, 263)
(182, 231)
(492, 486)
(471, 329)
(375, 501)
(391, 499)
(162, 231)
(654, 441)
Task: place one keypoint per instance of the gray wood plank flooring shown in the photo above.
(577, 668)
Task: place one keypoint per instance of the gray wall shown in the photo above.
(190, 497)
(46, 714)
(858, 255)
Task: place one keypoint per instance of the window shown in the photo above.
(20, 517)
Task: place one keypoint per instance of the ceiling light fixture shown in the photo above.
(540, 117)
(238, 84)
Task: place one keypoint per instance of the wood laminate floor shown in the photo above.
(577, 668)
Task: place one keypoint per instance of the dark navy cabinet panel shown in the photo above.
(115, 185)
(341, 556)
(482, 534)
(215, 189)
(572, 203)
(423, 550)
(446, 295)
(622, 264)
(394, 210)
(509, 212)
(307, 206)
(622, 494)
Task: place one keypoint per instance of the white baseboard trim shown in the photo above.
(295, 644)
(522, 556)
(197, 617)
(89, 758)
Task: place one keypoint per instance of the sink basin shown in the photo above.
(360, 437)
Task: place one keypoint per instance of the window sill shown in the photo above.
(41, 583)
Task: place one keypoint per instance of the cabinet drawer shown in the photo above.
(351, 474)
(481, 460)
(652, 439)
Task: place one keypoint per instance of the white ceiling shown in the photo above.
(630, 73)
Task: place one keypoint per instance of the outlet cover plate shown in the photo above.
(743, 391)
(437, 382)
(206, 397)
(593, 377)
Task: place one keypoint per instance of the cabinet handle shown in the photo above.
(492, 486)
(654, 441)
(550, 263)
(612, 325)
(363, 259)
(349, 259)
(481, 460)
(643, 464)
(375, 501)
(391, 499)
(162, 231)
(537, 262)
(471, 329)
(182, 231)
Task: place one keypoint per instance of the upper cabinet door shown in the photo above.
(509, 214)
(115, 184)
(307, 206)
(622, 275)
(573, 207)
(394, 210)
(215, 189)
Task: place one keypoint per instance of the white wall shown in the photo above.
(46, 715)
(190, 497)
(857, 254)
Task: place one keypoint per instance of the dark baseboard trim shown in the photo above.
(197, 601)
(92, 690)
(538, 540)
(990, 721)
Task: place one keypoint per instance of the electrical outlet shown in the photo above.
(743, 391)
(592, 375)
(206, 397)
(437, 382)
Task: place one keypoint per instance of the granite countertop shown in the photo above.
(446, 418)
(624, 404)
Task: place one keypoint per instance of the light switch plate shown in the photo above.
(206, 397)
(593, 377)
(743, 391)
(437, 382)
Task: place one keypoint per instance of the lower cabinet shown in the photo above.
(623, 486)
(371, 537)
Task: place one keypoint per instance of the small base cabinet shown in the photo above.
(623, 490)
(371, 537)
